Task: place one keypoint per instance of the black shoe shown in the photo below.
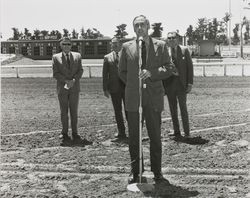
(187, 135)
(86, 142)
(158, 177)
(66, 141)
(120, 136)
(77, 139)
(175, 134)
(134, 179)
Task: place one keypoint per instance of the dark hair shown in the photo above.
(178, 36)
(143, 16)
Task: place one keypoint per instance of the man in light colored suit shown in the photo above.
(156, 66)
(112, 85)
(178, 86)
(67, 70)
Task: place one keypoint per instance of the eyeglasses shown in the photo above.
(68, 44)
(171, 38)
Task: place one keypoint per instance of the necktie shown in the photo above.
(117, 58)
(173, 54)
(68, 61)
(143, 55)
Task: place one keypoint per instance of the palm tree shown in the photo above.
(120, 32)
(157, 30)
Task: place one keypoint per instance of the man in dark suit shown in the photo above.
(156, 66)
(178, 86)
(67, 70)
(112, 85)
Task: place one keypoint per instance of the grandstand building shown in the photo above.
(44, 49)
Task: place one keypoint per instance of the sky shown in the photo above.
(105, 15)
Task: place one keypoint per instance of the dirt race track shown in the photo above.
(33, 164)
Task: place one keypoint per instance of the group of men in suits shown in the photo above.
(164, 70)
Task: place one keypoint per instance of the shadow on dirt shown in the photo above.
(165, 189)
(191, 140)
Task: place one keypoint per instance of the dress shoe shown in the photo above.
(66, 141)
(120, 135)
(86, 142)
(175, 134)
(134, 179)
(119, 138)
(77, 139)
(187, 135)
(158, 177)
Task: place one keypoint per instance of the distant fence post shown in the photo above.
(90, 75)
(243, 68)
(204, 71)
(17, 72)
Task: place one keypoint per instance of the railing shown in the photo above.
(89, 66)
(224, 65)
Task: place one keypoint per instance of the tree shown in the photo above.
(247, 34)
(93, 33)
(58, 34)
(27, 34)
(36, 34)
(65, 33)
(74, 34)
(190, 35)
(45, 33)
(236, 38)
(16, 33)
(157, 30)
(120, 32)
(200, 31)
(212, 29)
(97, 33)
(83, 34)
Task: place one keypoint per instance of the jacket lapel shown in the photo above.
(133, 50)
(152, 50)
(63, 59)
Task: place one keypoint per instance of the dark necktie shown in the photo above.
(173, 54)
(143, 55)
(68, 61)
(117, 58)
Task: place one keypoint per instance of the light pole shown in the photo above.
(243, 22)
(229, 39)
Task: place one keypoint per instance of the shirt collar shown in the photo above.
(65, 53)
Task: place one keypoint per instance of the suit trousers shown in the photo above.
(69, 99)
(153, 125)
(117, 99)
(177, 93)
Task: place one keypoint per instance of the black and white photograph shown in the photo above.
(135, 98)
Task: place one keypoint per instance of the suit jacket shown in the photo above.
(111, 79)
(184, 66)
(61, 73)
(158, 63)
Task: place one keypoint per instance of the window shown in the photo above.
(37, 51)
(74, 48)
(49, 50)
(89, 48)
(24, 51)
(12, 50)
(102, 48)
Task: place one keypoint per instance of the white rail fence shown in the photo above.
(201, 67)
